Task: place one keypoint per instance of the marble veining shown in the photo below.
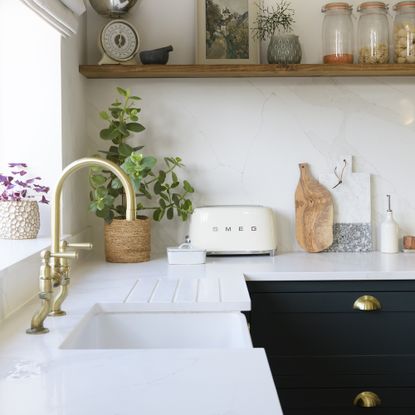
(242, 139)
(24, 369)
(351, 197)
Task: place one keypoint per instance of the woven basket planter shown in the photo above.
(128, 242)
(19, 220)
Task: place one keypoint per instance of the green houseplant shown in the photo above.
(276, 23)
(159, 190)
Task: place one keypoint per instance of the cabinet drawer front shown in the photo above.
(364, 382)
(329, 302)
(352, 411)
(343, 398)
(326, 334)
(323, 366)
(330, 286)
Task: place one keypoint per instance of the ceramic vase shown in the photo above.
(128, 242)
(284, 49)
(19, 220)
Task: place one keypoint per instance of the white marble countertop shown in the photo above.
(13, 251)
(292, 267)
(37, 377)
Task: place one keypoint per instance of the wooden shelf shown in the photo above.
(240, 71)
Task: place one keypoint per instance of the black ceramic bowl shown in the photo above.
(156, 56)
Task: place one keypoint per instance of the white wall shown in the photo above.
(242, 139)
(74, 137)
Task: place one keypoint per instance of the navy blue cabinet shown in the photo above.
(323, 352)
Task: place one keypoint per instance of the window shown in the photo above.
(30, 94)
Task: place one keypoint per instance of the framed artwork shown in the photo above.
(224, 32)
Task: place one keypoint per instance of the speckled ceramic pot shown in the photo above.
(19, 220)
(284, 49)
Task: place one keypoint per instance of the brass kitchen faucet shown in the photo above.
(57, 272)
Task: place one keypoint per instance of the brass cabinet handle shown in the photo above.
(65, 255)
(367, 400)
(367, 303)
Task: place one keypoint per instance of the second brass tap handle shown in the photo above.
(367, 303)
(65, 255)
(80, 245)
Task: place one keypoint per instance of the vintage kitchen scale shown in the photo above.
(118, 41)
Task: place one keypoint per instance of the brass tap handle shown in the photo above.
(367, 303)
(81, 245)
(64, 245)
(65, 255)
(367, 400)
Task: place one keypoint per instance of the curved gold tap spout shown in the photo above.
(54, 272)
(74, 167)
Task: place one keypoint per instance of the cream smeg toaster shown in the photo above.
(234, 230)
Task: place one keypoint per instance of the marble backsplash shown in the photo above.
(242, 139)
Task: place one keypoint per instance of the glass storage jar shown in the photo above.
(337, 33)
(404, 32)
(373, 32)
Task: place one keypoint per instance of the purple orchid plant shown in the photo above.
(16, 187)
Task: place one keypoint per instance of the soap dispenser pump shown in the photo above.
(389, 243)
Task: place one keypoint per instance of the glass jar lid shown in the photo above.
(402, 5)
(367, 5)
(337, 6)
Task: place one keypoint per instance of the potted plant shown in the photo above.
(19, 197)
(159, 192)
(275, 23)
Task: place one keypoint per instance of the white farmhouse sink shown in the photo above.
(116, 326)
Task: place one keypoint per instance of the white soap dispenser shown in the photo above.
(389, 242)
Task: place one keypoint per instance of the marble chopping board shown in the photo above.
(352, 230)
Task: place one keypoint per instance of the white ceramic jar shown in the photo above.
(389, 232)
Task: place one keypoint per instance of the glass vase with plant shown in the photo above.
(19, 197)
(276, 23)
(159, 190)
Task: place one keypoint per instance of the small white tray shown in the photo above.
(185, 254)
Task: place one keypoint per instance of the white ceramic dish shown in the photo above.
(185, 254)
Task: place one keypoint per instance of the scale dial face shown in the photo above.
(120, 40)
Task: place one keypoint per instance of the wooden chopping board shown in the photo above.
(313, 213)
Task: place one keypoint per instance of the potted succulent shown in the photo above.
(19, 197)
(159, 192)
(275, 23)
